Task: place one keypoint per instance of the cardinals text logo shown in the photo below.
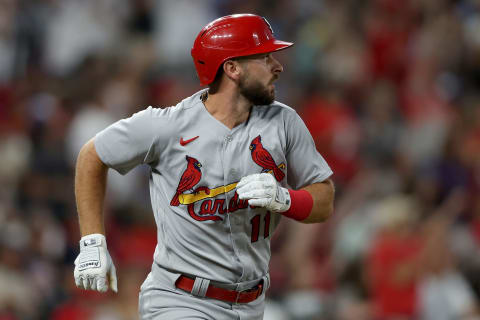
(208, 208)
(188, 193)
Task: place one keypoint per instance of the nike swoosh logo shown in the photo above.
(185, 142)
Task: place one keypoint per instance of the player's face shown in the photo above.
(256, 84)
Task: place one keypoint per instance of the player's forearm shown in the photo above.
(90, 183)
(323, 195)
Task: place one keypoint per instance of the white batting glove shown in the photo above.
(93, 264)
(262, 190)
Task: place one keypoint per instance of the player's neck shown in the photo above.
(228, 107)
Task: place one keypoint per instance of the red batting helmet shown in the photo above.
(229, 37)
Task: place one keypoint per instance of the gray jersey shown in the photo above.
(203, 228)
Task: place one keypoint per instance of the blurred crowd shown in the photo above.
(389, 89)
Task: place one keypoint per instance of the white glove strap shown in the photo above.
(281, 202)
(89, 247)
(93, 240)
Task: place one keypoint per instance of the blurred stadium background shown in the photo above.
(388, 88)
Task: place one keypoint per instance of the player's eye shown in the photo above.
(263, 56)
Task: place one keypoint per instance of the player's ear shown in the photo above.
(232, 69)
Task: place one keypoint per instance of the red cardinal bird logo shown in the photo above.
(262, 157)
(190, 177)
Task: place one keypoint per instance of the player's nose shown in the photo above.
(277, 67)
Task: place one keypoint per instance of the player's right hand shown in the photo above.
(262, 190)
(94, 264)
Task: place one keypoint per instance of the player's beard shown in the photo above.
(255, 92)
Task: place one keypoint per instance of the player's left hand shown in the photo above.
(262, 190)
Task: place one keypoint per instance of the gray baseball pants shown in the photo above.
(159, 299)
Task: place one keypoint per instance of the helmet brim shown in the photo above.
(272, 46)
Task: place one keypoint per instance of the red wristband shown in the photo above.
(301, 205)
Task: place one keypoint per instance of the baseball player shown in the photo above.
(226, 164)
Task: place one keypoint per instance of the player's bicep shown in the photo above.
(305, 165)
(127, 143)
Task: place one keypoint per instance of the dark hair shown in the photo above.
(213, 86)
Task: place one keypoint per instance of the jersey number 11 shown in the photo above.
(255, 221)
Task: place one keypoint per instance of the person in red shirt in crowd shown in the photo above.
(391, 265)
(336, 131)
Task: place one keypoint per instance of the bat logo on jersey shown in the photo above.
(264, 159)
(190, 177)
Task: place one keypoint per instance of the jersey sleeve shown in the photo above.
(127, 142)
(305, 165)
